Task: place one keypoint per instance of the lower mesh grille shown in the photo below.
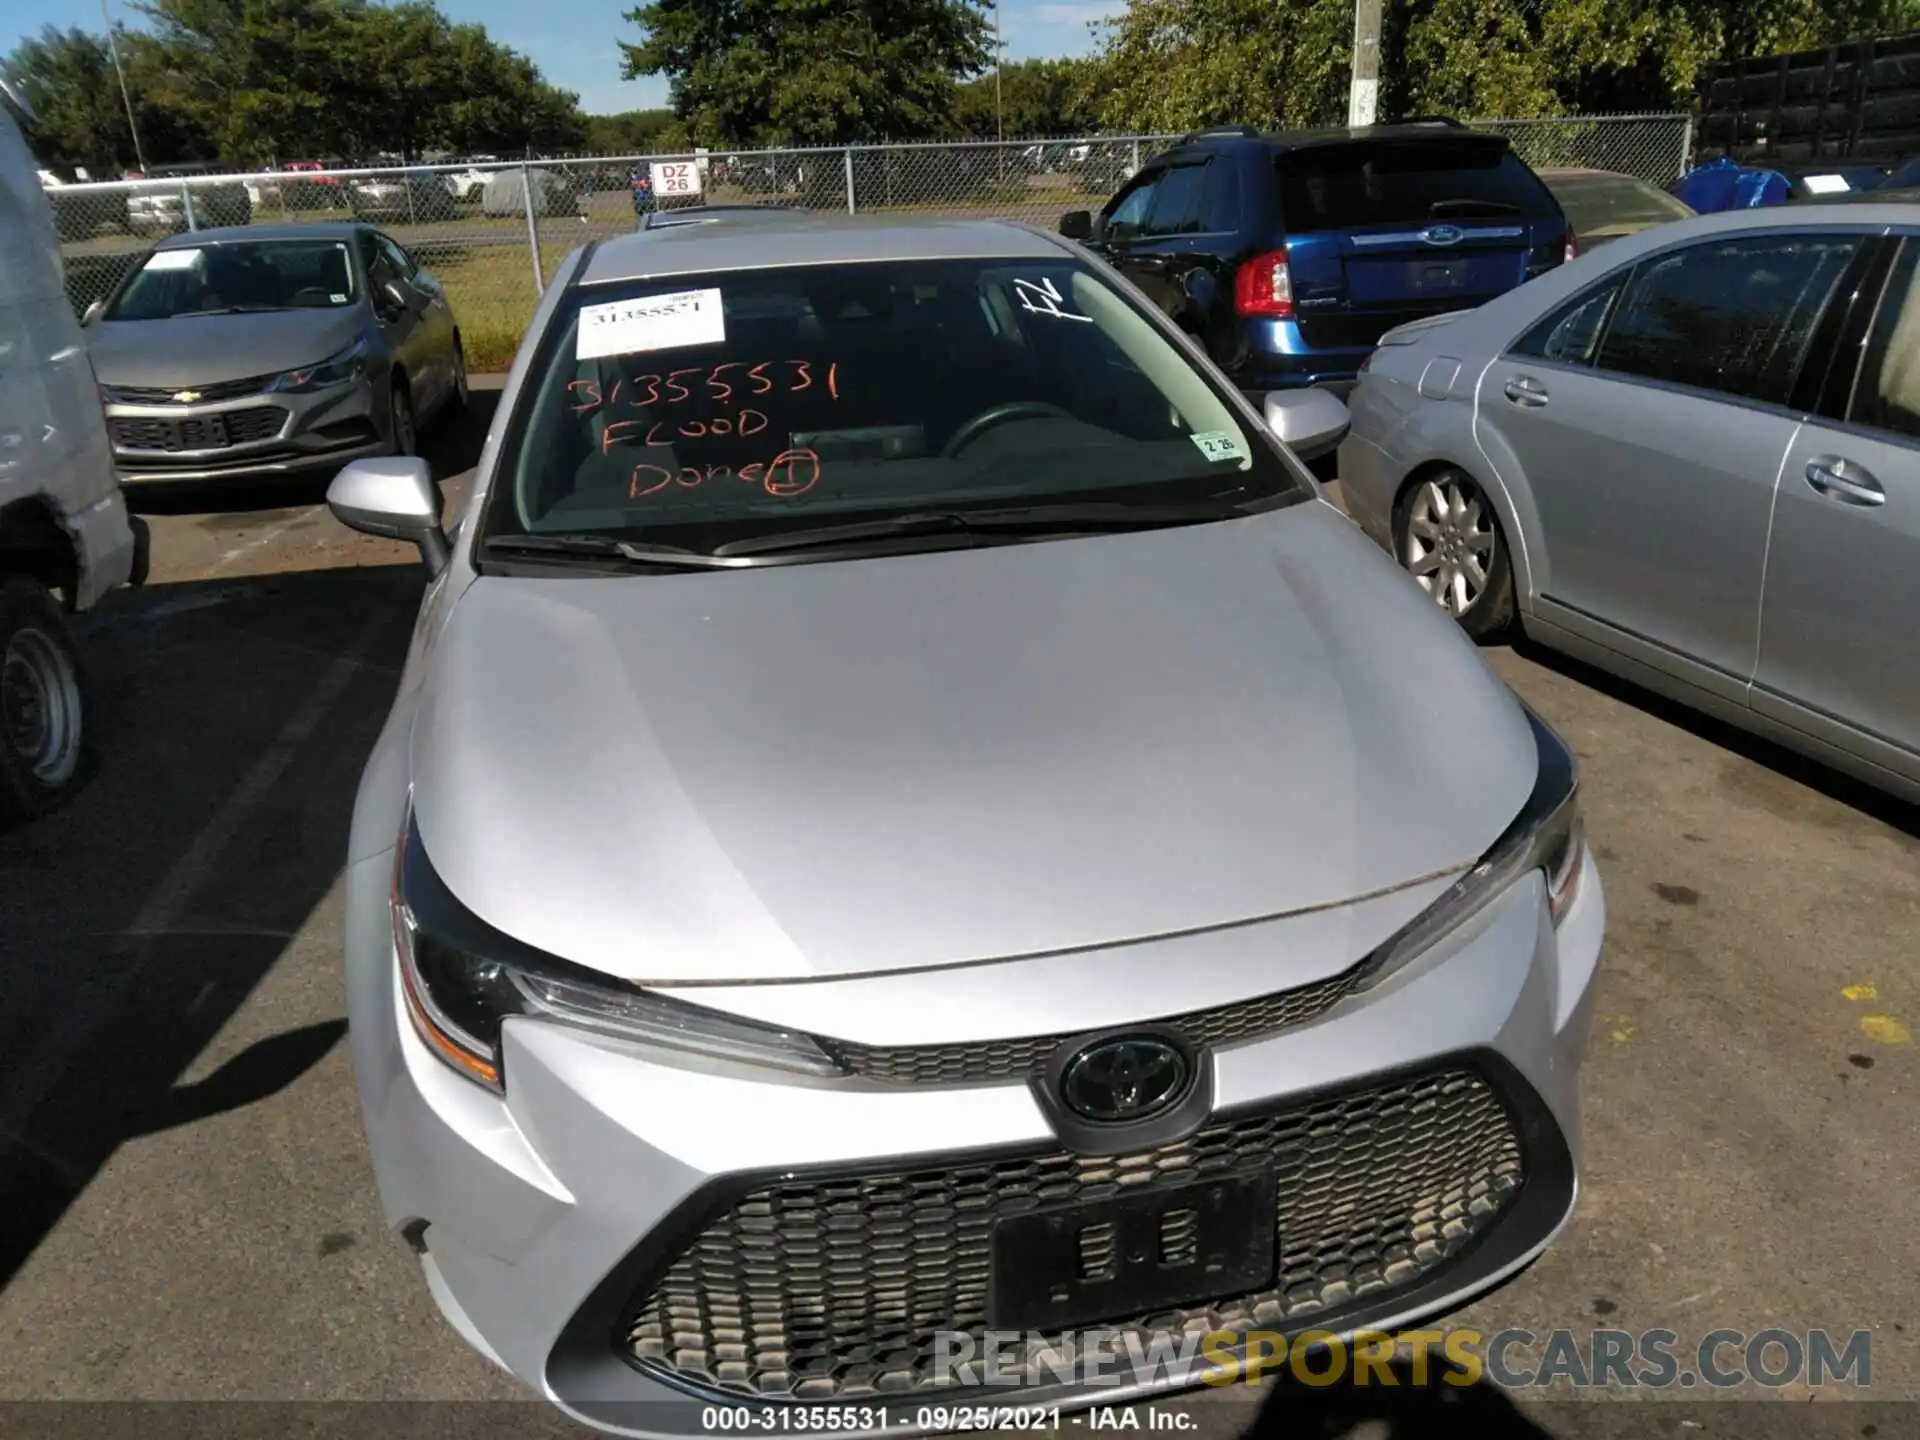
(983, 1060)
(824, 1288)
(214, 431)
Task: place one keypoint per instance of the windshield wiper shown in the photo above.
(229, 310)
(1066, 518)
(606, 547)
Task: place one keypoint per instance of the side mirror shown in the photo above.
(396, 299)
(394, 497)
(1077, 225)
(1308, 422)
(93, 312)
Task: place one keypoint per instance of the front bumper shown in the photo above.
(635, 1240)
(251, 437)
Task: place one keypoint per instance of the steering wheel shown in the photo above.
(994, 415)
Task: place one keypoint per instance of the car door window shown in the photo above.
(1886, 393)
(1176, 206)
(402, 263)
(1130, 213)
(1731, 315)
(1571, 334)
(382, 271)
(1220, 213)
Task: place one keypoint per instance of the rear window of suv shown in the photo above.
(1384, 182)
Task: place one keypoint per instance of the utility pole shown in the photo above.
(1363, 99)
(999, 58)
(113, 48)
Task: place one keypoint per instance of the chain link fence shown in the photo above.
(493, 234)
(1652, 147)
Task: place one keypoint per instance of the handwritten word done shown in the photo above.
(790, 473)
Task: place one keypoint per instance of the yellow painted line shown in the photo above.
(1887, 1029)
(1860, 992)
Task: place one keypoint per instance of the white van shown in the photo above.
(65, 535)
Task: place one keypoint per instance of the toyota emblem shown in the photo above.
(1132, 1078)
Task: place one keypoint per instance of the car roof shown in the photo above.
(312, 230)
(1281, 141)
(801, 237)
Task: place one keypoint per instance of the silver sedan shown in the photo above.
(894, 745)
(1692, 458)
(265, 351)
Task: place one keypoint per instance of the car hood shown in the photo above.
(203, 349)
(934, 759)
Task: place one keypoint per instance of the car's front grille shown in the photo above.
(987, 1060)
(199, 394)
(217, 431)
(819, 1288)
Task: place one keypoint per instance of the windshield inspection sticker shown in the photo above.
(1043, 297)
(173, 259)
(1218, 445)
(657, 322)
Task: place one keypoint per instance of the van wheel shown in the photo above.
(1448, 538)
(43, 703)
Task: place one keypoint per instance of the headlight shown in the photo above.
(1547, 836)
(463, 979)
(349, 364)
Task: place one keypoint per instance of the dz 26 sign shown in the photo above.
(675, 177)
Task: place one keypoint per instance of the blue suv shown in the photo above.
(1288, 256)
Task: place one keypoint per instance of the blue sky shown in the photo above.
(579, 51)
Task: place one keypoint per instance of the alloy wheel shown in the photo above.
(1449, 542)
(40, 707)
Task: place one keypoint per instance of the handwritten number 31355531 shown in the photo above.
(718, 384)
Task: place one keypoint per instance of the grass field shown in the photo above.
(492, 302)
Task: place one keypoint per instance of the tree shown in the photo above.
(636, 132)
(1173, 65)
(1036, 97)
(267, 80)
(819, 72)
(68, 78)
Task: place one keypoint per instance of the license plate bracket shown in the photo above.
(1055, 1270)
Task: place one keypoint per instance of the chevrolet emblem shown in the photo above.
(185, 397)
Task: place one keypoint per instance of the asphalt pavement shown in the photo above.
(188, 1209)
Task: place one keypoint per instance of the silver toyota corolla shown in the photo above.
(272, 350)
(1689, 458)
(906, 817)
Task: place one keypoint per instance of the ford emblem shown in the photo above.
(1443, 235)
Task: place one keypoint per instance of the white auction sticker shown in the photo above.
(1219, 445)
(1824, 184)
(173, 259)
(657, 322)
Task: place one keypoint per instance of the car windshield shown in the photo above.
(227, 278)
(706, 409)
